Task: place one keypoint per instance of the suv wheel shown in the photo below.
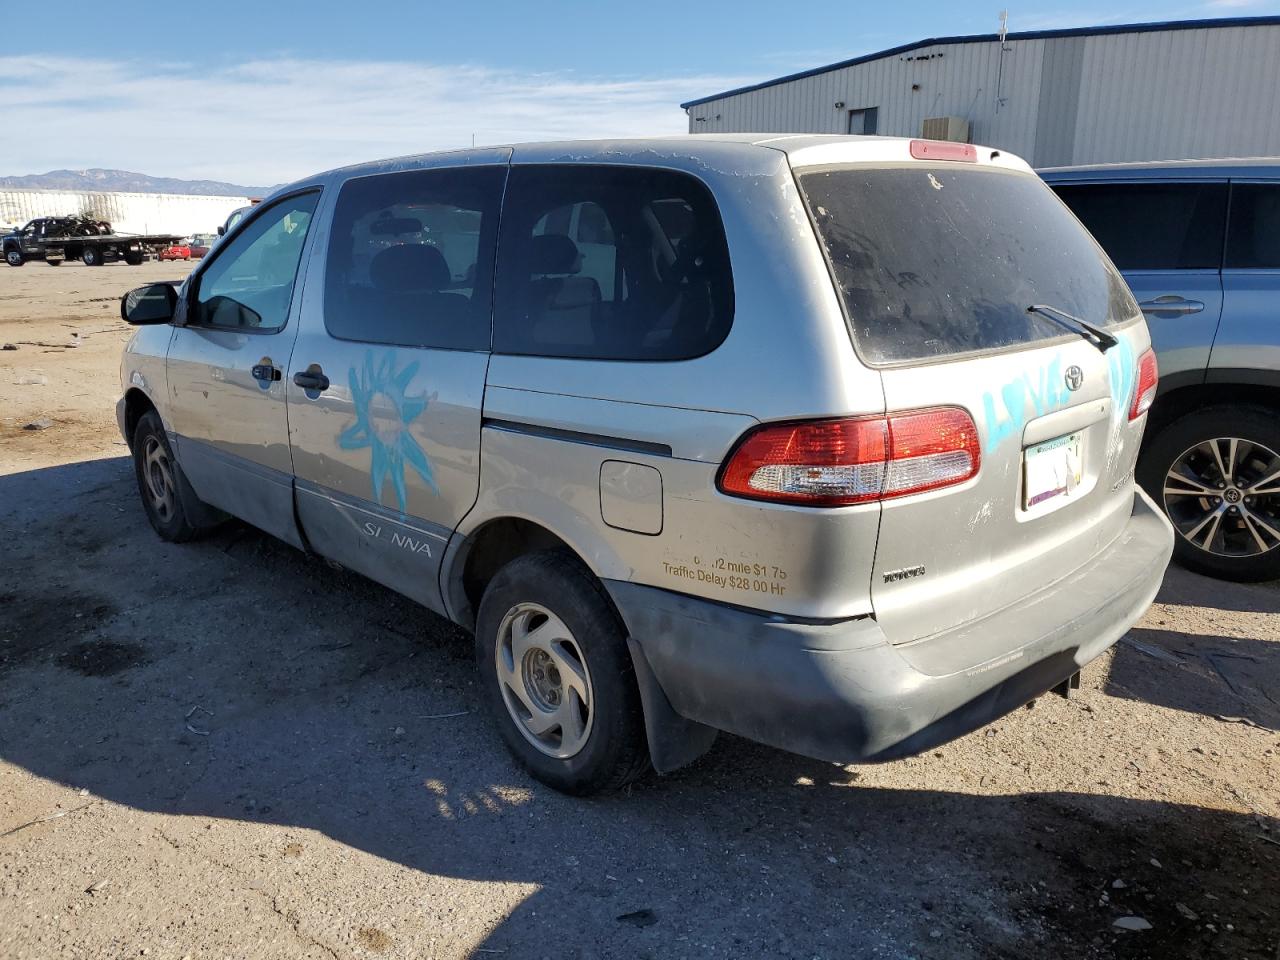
(162, 484)
(13, 257)
(558, 676)
(1216, 473)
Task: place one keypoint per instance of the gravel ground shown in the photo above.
(229, 749)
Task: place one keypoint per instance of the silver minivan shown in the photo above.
(827, 442)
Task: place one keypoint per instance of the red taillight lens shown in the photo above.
(833, 463)
(944, 150)
(1144, 393)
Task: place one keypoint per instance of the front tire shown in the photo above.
(161, 484)
(13, 258)
(1216, 474)
(558, 676)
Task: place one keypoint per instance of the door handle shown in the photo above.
(266, 371)
(312, 378)
(1171, 304)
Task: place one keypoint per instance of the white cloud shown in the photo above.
(1233, 4)
(268, 121)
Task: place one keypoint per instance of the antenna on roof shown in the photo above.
(1004, 32)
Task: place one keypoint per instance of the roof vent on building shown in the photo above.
(955, 129)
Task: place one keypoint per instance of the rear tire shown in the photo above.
(558, 677)
(133, 259)
(92, 257)
(161, 484)
(13, 258)
(1219, 505)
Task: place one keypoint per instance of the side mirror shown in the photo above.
(222, 231)
(149, 305)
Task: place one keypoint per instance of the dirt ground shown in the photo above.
(227, 749)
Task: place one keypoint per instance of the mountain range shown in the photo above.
(125, 181)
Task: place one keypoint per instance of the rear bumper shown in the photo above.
(841, 692)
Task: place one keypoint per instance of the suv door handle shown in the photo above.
(1171, 304)
(312, 378)
(265, 371)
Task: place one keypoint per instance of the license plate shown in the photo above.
(1052, 469)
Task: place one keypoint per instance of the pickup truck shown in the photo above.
(55, 239)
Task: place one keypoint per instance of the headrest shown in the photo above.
(554, 253)
(410, 267)
(395, 226)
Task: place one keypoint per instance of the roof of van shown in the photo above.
(1154, 169)
(684, 145)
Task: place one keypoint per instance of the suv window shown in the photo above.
(250, 282)
(937, 260)
(587, 267)
(411, 258)
(1153, 226)
(1253, 239)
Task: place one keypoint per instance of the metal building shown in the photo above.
(1184, 89)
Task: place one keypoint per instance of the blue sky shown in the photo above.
(265, 92)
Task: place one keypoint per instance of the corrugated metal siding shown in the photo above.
(1059, 106)
(1170, 96)
(1191, 93)
(127, 212)
(954, 80)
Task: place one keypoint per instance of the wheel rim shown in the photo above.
(13, 257)
(1223, 497)
(544, 680)
(157, 472)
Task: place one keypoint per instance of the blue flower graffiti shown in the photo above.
(383, 413)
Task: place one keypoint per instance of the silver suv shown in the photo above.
(1199, 244)
(827, 442)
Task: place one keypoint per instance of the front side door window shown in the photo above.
(250, 283)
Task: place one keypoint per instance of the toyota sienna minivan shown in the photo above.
(827, 442)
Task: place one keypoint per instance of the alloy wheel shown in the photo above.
(1223, 496)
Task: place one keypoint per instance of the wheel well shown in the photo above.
(1184, 400)
(487, 551)
(136, 405)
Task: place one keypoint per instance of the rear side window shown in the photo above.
(611, 263)
(938, 260)
(1253, 240)
(411, 258)
(1154, 226)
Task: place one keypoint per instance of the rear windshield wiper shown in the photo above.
(1095, 335)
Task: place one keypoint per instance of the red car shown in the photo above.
(176, 251)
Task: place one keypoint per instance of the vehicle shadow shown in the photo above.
(1185, 588)
(1232, 678)
(237, 679)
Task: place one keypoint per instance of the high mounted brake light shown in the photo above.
(944, 150)
(831, 463)
(1144, 391)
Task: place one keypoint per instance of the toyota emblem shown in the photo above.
(1074, 377)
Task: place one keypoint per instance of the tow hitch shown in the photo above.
(1067, 687)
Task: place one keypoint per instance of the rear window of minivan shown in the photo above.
(935, 260)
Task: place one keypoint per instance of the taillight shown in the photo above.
(944, 150)
(1144, 393)
(831, 463)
